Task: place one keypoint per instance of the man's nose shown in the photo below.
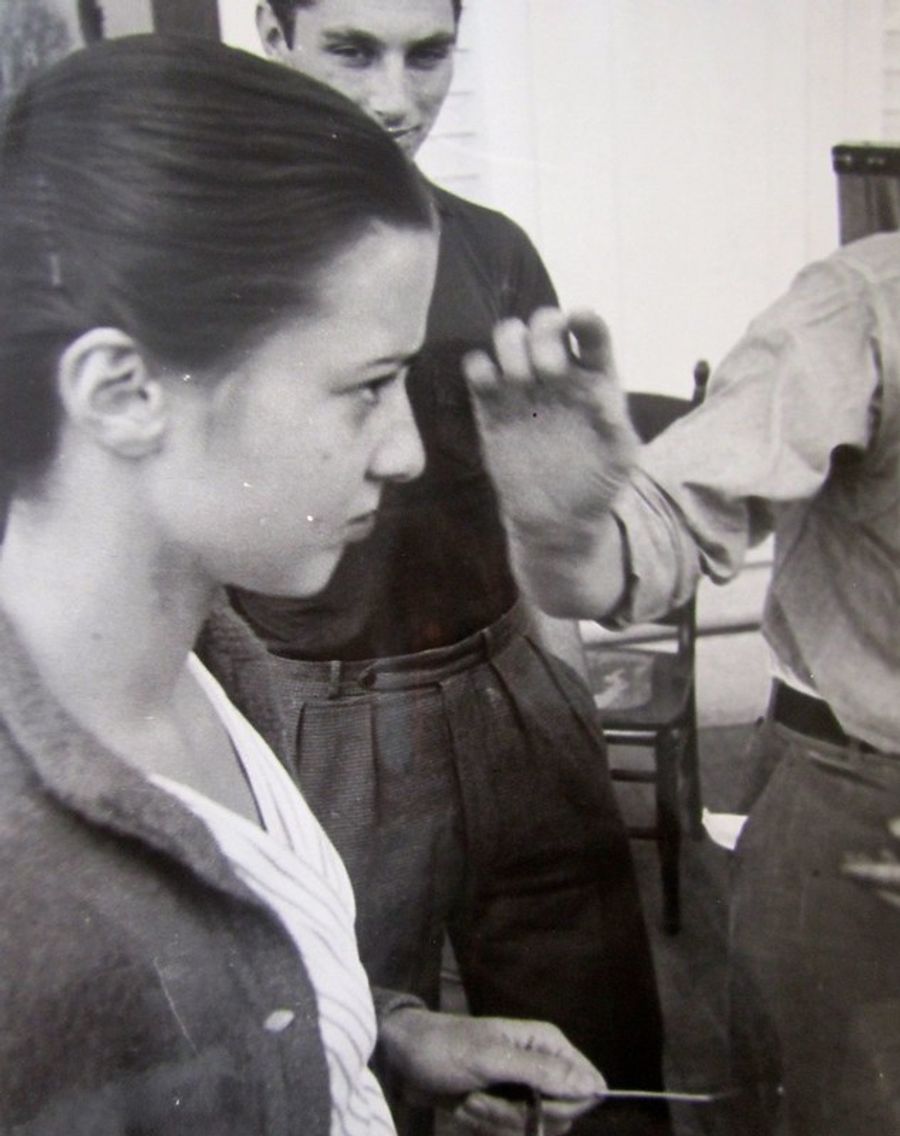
(389, 98)
(400, 455)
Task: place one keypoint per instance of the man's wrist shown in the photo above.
(577, 574)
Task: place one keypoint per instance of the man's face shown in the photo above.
(393, 58)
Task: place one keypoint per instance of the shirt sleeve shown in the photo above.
(799, 386)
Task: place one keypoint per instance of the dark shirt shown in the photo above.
(436, 567)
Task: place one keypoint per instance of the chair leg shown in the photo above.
(691, 767)
(668, 754)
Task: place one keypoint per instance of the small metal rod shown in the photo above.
(649, 1094)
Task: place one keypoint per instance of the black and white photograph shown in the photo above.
(449, 568)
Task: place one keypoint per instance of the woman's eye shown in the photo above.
(371, 392)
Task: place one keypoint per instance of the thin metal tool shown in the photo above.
(534, 1102)
(666, 1095)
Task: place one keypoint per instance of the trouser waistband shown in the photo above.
(812, 717)
(406, 672)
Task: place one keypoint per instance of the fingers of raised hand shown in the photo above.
(480, 372)
(553, 346)
(537, 351)
(511, 347)
(557, 341)
(593, 341)
(547, 343)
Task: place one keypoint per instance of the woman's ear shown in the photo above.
(109, 392)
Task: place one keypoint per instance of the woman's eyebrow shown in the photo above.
(396, 361)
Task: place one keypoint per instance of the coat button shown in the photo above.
(278, 1020)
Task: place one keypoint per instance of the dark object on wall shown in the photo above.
(187, 17)
(90, 20)
(868, 177)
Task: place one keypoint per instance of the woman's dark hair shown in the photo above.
(286, 10)
(182, 191)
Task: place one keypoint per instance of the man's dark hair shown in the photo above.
(285, 11)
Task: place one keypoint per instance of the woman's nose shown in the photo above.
(399, 455)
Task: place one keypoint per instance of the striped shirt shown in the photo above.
(292, 865)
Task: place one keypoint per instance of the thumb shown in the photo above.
(565, 1077)
(593, 340)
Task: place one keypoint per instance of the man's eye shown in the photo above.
(354, 54)
(426, 58)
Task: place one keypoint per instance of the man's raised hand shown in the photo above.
(556, 439)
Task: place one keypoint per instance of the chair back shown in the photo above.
(652, 413)
(868, 188)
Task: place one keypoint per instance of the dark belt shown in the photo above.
(407, 672)
(810, 716)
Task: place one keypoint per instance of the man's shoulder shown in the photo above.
(876, 257)
(479, 219)
(837, 289)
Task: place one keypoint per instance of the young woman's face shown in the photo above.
(281, 463)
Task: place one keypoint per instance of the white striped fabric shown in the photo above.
(292, 865)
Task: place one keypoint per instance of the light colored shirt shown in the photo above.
(800, 435)
(292, 865)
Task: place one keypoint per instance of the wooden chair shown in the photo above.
(646, 694)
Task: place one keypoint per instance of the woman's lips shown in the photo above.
(360, 527)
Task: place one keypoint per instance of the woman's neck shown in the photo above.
(108, 618)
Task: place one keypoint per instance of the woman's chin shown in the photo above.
(308, 576)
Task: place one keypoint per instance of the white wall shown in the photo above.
(891, 69)
(237, 24)
(684, 158)
(125, 17)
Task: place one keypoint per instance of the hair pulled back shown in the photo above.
(182, 191)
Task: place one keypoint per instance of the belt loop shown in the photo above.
(485, 642)
(334, 678)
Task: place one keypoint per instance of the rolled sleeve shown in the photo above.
(801, 384)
